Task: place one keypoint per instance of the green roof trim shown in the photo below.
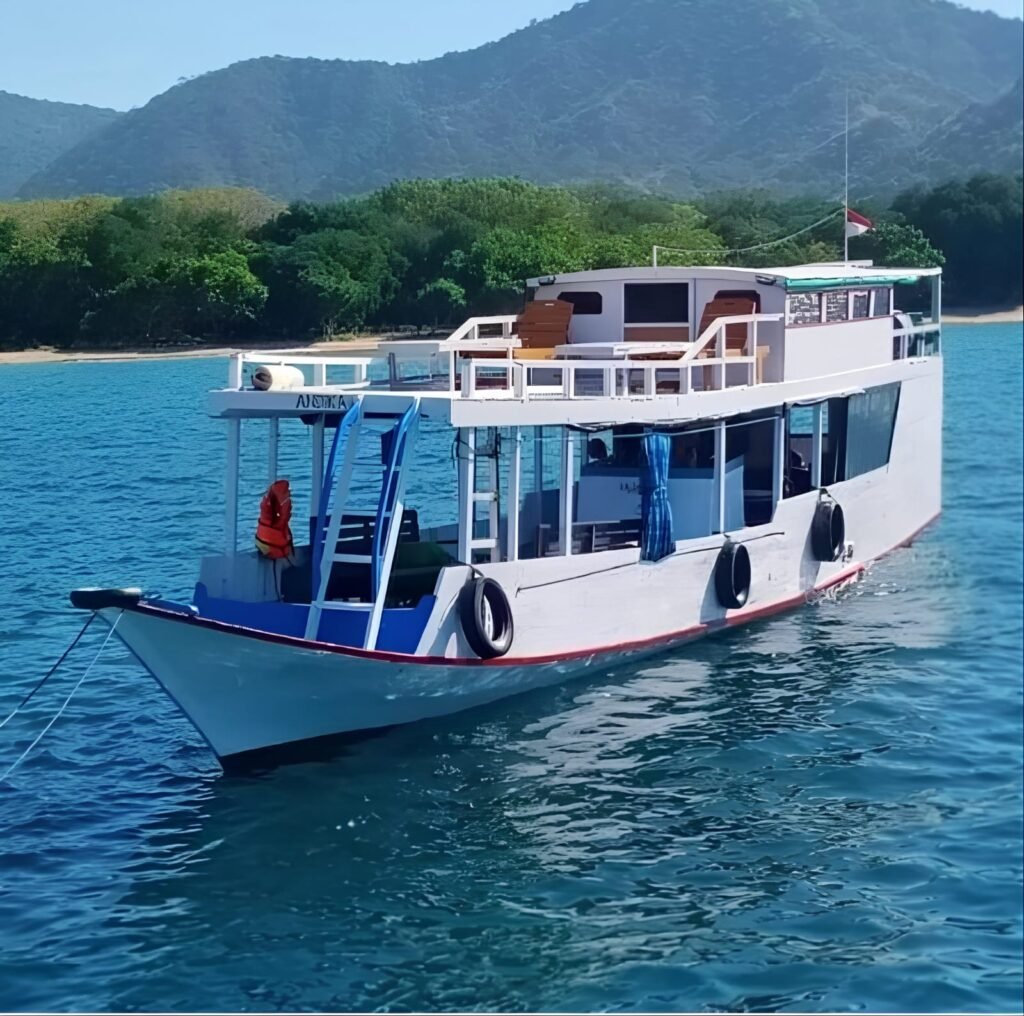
(804, 285)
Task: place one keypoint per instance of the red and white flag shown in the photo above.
(857, 223)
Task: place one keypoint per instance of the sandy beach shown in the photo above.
(50, 354)
(1004, 316)
(359, 344)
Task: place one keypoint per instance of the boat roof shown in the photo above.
(821, 275)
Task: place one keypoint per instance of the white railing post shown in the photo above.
(231, 487)
(752, 342)
(273, 441)
(467, 487)
(650, 386)
(567, 381)
(514, 485)
(565, 498)
(779, 459)
(719, 500)
(235, 371)
(817, 444)
(319, 381)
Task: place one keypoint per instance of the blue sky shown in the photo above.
(120, 53)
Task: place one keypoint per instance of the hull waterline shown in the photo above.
(258, 698)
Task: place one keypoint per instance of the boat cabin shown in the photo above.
(623, 413)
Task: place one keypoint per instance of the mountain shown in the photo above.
(995, 129)
(34, 132)
(678, 94)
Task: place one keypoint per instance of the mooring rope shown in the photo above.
(46, 677)
(24, 755)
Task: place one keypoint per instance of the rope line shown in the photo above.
(757, 246)
(46, 677)
(21, 758)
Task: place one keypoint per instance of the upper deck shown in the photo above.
(638, 344)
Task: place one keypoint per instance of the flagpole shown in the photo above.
(846, 181)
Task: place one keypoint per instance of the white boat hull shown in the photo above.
(248, 691)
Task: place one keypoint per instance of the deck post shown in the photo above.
(231, 488)
(317, 482)
(514, 496)
(565, 496)
(467, 505)
(937, 310)
(816, 444)
(235, 371)
(273, 443)
(779, 463)
(719, 501)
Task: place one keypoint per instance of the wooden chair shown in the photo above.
(541, 327)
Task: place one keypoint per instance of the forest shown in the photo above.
(233, 265)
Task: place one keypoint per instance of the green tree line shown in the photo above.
(233, 265)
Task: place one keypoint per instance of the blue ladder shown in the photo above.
(324, 546)
(390, 509)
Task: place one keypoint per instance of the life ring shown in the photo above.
(828, 530)
(732, 575)
(486, 617)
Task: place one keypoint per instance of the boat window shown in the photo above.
(833, 448)
(799, 450)
(837, 305)
(861, 304)
(657, 303)
(750, 440)
(883, 302)
(804, 309)
(870, 426)
(584, 302)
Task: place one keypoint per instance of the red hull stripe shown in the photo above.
(732, 619)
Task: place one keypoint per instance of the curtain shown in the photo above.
(656, 512)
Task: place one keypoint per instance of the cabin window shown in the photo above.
(658, 303)
(837, 305)
(833, 449)
(799, 450)
(883, 302)
(871, 422)
(751, 439)
(804, 309)
(583, 302)
(861, 305)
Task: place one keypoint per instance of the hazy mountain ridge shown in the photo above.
(678, 94)
(34, 132)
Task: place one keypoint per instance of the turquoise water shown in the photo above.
(822, 811)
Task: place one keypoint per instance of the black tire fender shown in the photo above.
(732, 575)
(828, 530)
(486, 617)
(99, 599)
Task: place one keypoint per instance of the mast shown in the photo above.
(846, 180)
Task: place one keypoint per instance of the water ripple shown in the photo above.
(819, 812)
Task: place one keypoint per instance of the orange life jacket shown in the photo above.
(273, 534)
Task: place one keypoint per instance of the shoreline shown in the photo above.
(362, 344)
(49, 354)
(1005, 316)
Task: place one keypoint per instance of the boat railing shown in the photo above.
(707, 364)
(499, 326)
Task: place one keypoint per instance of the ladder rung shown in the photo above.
(488, 544)
(352, 559)
(485, 497)
(340, 605)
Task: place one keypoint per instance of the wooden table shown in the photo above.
(619, 350)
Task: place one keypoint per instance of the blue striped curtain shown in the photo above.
(655, 512)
